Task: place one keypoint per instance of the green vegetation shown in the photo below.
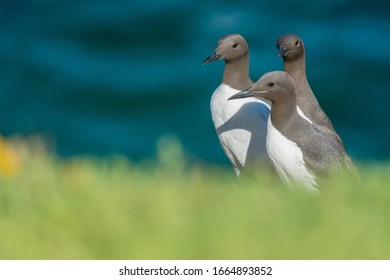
(90, 208)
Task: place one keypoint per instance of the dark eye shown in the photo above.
(297, 43)
(271, 84)
(235, 45)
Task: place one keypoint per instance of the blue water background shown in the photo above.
(106, 77)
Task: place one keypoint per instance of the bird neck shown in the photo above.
(283, 113)
(236, 73)
(297, 70)
(305, 97)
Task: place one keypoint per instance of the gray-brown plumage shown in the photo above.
(234, 50)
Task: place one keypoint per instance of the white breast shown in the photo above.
(287, 159)
(241, 126)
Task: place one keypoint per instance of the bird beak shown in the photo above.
(242, 94)
(282, 51)
(213, 57)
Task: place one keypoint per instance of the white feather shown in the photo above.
(287, 159)
(239, 123)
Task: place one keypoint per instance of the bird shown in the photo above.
(242, 126)
(292, 50)
(298, 150)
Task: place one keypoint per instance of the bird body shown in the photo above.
(287, 158)
(240, 126)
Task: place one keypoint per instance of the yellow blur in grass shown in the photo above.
(167, 208)
(10, 162)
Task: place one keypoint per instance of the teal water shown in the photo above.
(105, 77)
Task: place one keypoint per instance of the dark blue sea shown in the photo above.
(101, 77)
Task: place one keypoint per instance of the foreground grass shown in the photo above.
(110, 209)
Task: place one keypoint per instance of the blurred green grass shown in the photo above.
(91, 208)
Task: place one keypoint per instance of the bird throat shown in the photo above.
(236, 74)
(282, 113)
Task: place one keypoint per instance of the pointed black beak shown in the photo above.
(213, 57)
(282, 51)
(242, 94)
